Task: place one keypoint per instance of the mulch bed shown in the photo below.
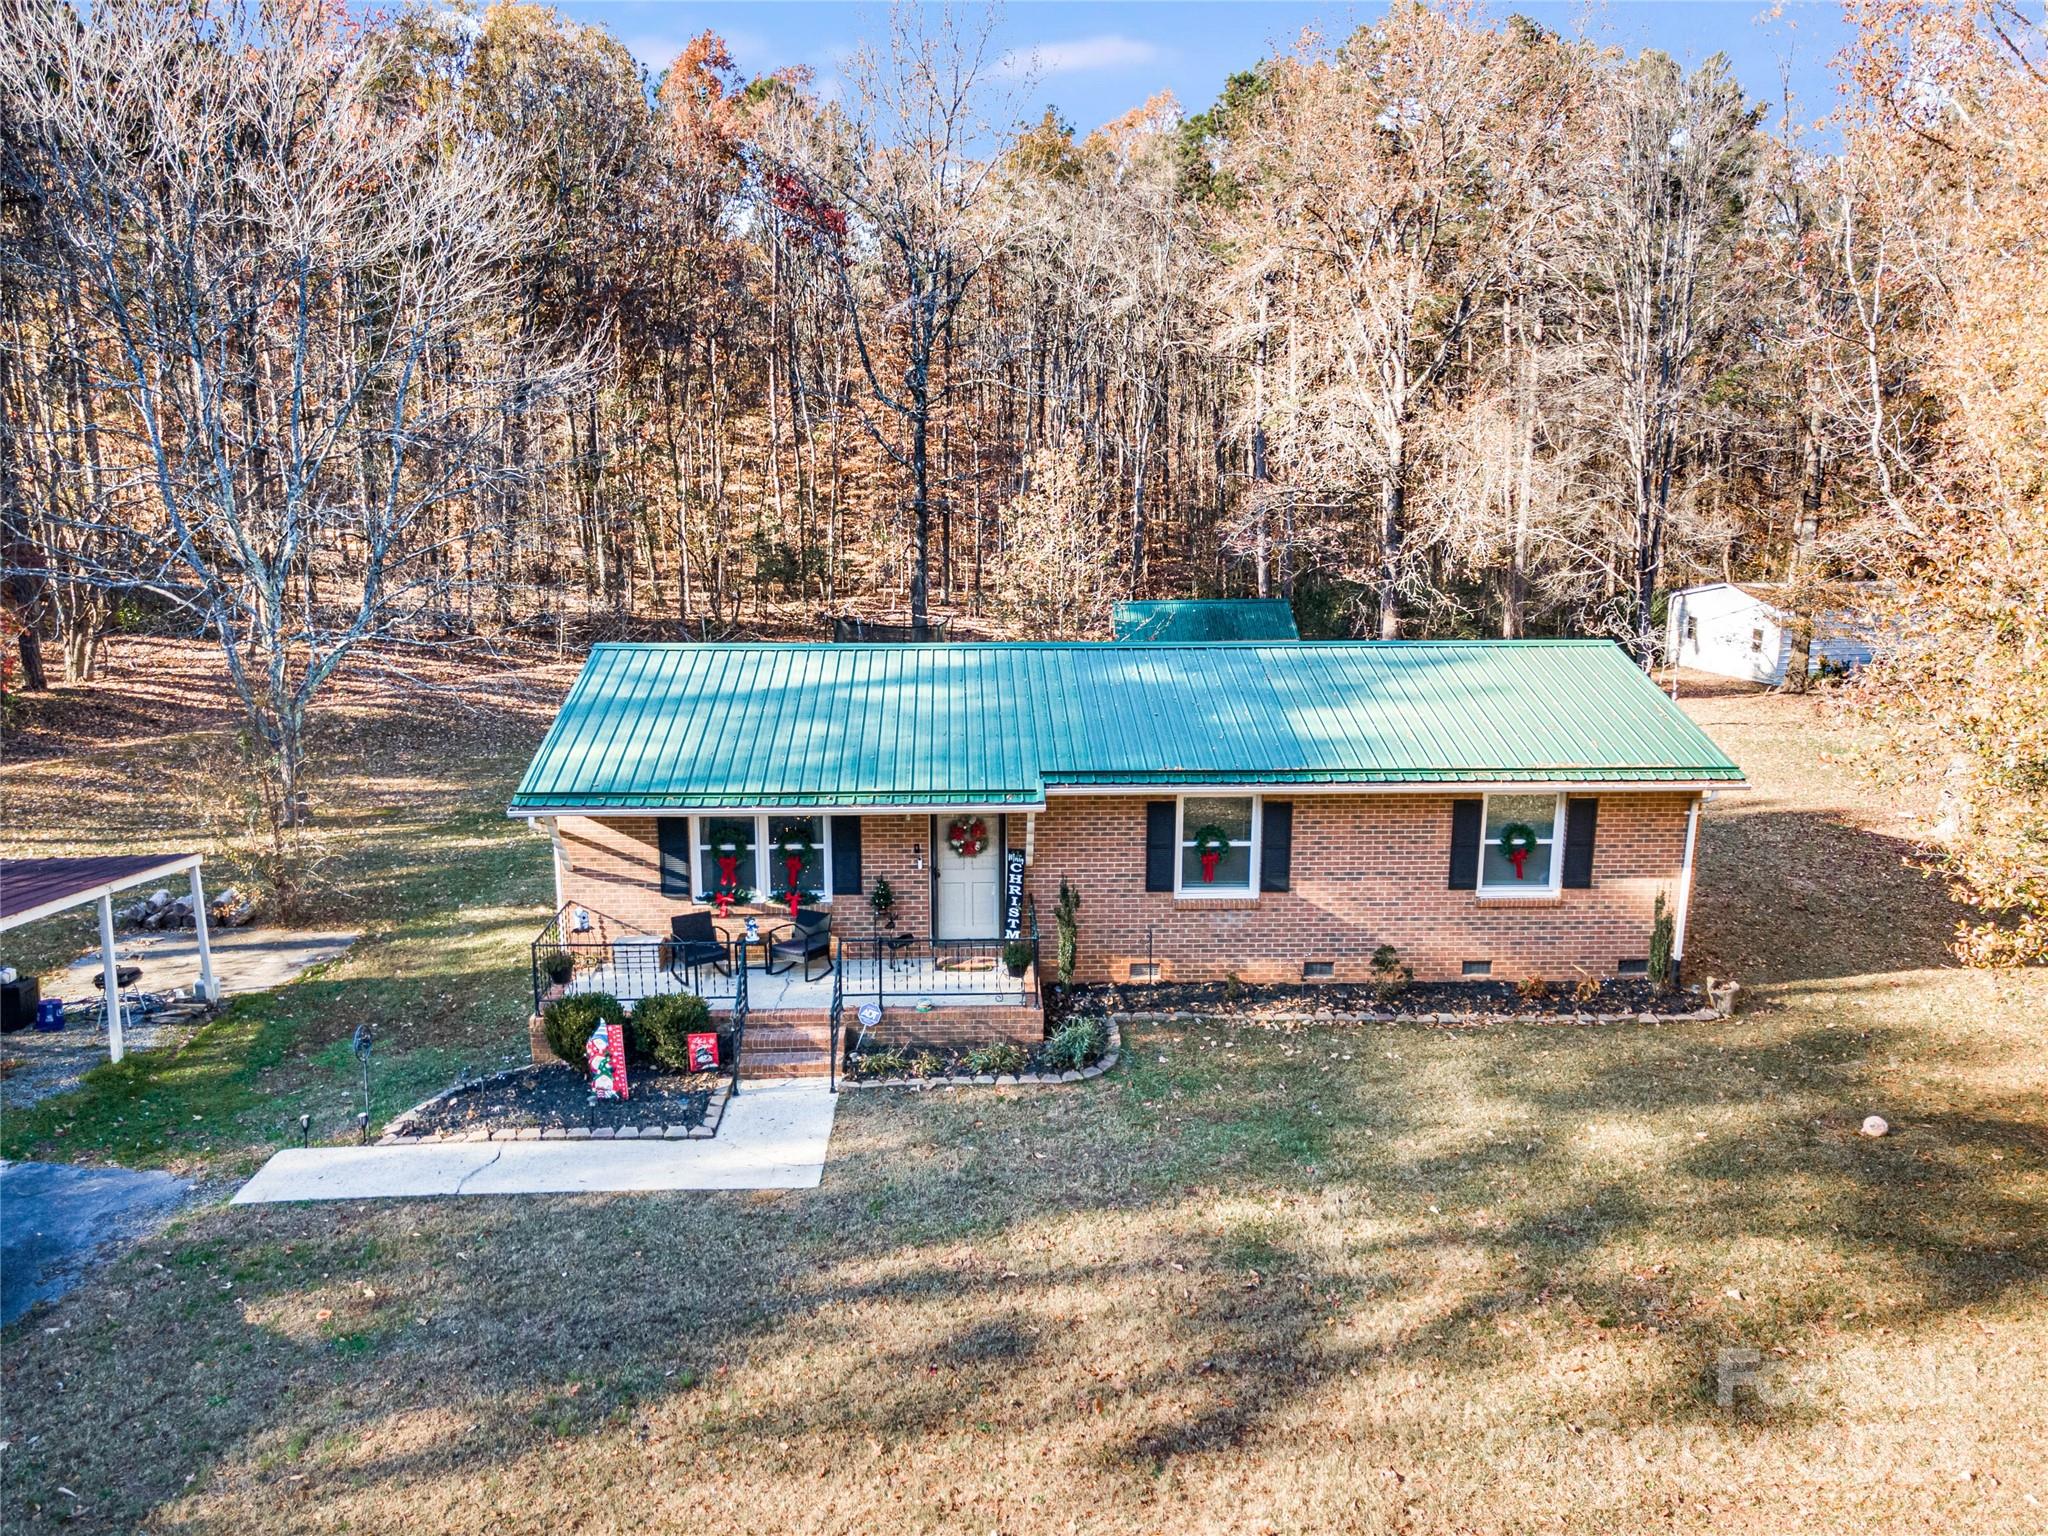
(1418, 998)
(558, 1097)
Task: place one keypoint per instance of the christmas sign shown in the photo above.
(1013, 894)
(606, 1056)
(703, 1051)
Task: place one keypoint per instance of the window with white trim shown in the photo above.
(792, 838)
(1530, 825)
(755, 845)
(1219, 846)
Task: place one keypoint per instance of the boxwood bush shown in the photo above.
(570, 1022)
(663, 1024)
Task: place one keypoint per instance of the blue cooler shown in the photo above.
(50, 1014)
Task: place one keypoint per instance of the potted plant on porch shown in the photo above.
(1017, 957)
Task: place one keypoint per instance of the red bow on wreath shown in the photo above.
(1209, 843)
(728, 882)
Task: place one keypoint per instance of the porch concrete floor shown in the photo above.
(773, 1136)
(905, 984)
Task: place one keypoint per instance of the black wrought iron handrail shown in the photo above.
(833, 1022)
(739, 1021)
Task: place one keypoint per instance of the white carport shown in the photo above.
(34, 888)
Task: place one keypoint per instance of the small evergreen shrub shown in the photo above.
(1075, 1044)
(1067, 915)
(1662, 932)
(1016, 956)
(569, 1022)
(663, 1024)
(995, 1060)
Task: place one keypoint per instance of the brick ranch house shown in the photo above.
(1273, 811)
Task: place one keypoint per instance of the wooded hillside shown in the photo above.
(323, 330)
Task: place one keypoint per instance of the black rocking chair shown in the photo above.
(694, 941)
(808, 937)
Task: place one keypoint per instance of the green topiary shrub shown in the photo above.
(996, 1060)
(663, 1024)
(1075, 1044)
(1067, 915)
(571, 1021)
(1662, 935)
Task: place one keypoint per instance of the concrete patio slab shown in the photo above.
(774, 1136)
(55, 1220)
(244, 959)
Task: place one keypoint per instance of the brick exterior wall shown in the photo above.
(1367, 870)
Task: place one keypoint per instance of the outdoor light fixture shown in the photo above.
(917, 855)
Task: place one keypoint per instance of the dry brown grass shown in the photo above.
(1375, 1280)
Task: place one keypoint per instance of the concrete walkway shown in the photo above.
(773, 1136)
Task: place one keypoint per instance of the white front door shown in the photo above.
(968, 889)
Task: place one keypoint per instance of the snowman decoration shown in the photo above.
(606, 1060)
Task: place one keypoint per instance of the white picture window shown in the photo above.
(1219, 845)
(755, 846)
(1530, 825)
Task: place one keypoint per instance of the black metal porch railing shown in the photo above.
(906, 966)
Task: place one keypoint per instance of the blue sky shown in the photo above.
(1098, 60)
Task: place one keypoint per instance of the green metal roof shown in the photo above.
(1195, 621)
(671, 727)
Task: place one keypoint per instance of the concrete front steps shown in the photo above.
(786, 1045)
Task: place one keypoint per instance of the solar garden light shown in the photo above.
(362, 1044)
(305, 1129)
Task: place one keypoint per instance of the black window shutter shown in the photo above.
(1159, 829)
(674, 835)
(846, 856)
(1276, 844)
(1580, 818)
(1465, 817)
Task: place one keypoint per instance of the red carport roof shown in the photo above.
(33, 888)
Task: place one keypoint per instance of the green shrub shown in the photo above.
(663, 1024)
(569, 1022)
(1662, 934)
(1075, 1044)
(927, 1064)
(996, 1060)
(1067, 915)
(558, 966)
(1390, 978)
(889, 1063)
(1016, 956)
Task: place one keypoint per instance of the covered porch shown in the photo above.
(891, 970)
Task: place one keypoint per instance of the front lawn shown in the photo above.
(1373, 1279)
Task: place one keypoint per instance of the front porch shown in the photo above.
(794, 1020)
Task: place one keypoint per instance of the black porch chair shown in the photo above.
(694, 941)
(803, 941)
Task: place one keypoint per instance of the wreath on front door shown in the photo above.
(967, 836)
(1518, 841)
(1210, 841)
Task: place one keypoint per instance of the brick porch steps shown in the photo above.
(767, 1064)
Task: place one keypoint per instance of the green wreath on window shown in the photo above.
(793, 845)
(1518, 841)
(1210, 838)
